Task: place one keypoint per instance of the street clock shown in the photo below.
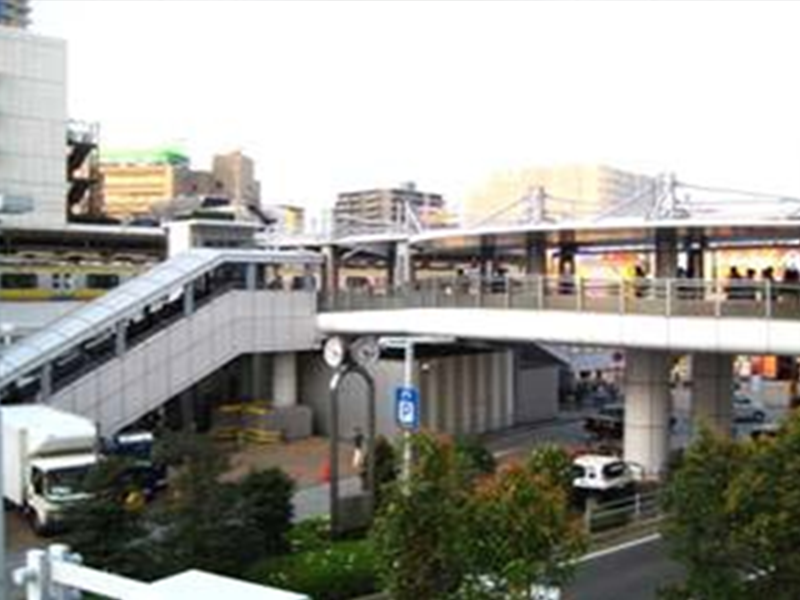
(334, 352)
(365, 351)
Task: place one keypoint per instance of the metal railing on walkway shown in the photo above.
(657, 297)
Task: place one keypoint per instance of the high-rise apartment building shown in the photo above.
(33, 125)
(236, 174)
(15, 13)
(574, 191)
(373, 210)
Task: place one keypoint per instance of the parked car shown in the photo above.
(764, 431)
(609, 422)
(745, 410)
(595, 474)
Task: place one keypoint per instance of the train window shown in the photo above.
(102, 281)
(19, 281)
(56, 279)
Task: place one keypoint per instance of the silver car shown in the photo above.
(745, 410)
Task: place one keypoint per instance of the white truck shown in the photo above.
(47, 454)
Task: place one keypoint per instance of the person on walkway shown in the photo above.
(734, 288)
(566, 279)
(750, 291)
(640, 282)
(360, 456)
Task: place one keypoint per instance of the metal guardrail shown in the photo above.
(613, 514)
(657, 297)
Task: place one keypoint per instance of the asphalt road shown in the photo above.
(634, 573)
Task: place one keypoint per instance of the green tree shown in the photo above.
(475, 460)
(109, 507)
(733, 513)
(451, 533)
(553, 463)
(419, 531)
(521, 535)
(386, 468)
(265, 499)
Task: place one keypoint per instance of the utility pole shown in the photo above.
(408, 382)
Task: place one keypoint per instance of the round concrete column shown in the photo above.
(284, 380)
(712, 391)
(535, 255)
(647, 408)
(666, 254)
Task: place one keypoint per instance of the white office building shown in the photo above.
(33, 117)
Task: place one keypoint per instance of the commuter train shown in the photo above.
(31, 280)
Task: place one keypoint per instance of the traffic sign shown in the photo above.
(406, 405)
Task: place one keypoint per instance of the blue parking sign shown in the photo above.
(406, 404)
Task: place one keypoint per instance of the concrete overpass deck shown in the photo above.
(669, 314)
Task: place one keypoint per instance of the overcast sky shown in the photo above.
(329, 96)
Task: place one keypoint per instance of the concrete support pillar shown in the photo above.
(250, 278)
(695, 254)
(284, 379)
(566, 256)
(259, 377)
(712, 392)
(188, 413)
(666, 259)
(188, 299)
(400, 265)
(330, 270)
(535, 255)
(120, 338)
(46, 389)
(647, 409)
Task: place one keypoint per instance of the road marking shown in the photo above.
(622, 547)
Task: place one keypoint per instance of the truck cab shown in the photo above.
(47, 454)
(54, 483)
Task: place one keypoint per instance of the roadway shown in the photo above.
(634, 572)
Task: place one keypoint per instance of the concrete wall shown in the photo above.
(463, 394)
(33, 117)
(149, 374)
(314, 382)
(536, 394)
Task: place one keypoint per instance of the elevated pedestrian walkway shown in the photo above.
(125, 354)
(681, 315)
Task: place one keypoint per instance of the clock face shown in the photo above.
(365, 351)
(334, 351)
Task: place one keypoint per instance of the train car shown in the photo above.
(25, 280)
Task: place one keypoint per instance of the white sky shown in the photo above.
(328, 96)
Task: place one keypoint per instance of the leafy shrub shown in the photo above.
(474, 459)
(336, 571)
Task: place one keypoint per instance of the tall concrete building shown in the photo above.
(33, 124)
(15, 13)
(376, 209)
(577, 192)
(236, 174)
